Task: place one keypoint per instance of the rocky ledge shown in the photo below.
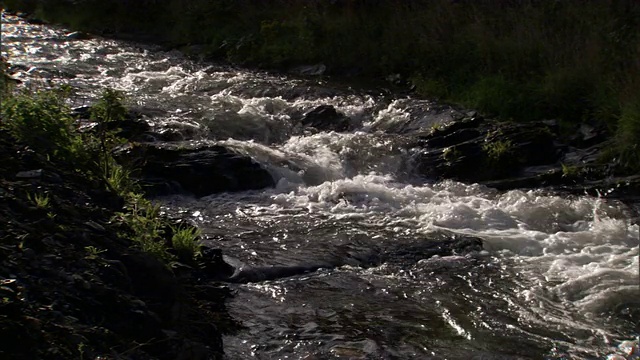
(532, 155)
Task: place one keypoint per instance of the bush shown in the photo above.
(145, 227)
(43, 122)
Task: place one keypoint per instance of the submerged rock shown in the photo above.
(227, 269)
(201, 170)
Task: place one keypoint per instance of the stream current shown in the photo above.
(557, 279)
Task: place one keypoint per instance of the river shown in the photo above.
(557, 279)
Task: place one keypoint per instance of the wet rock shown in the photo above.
(478, 150)
(310, 70)
(193, 351)
(133, 127)
(214, 264)
(77, 35)
(201, 170)
(326, 118)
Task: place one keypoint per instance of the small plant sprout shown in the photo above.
(41, 201)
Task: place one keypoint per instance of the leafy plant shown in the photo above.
(570, 171)
(41, 201)
(106, 113)
(93, 252)
(185, 241)
(146, 226)
(42, 121)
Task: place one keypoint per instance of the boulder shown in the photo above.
(327, 118)
(478, 150)
(200, 170)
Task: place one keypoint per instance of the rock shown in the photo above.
(77, 35)
(133, 127)
(479, 150)
(200, 170)
(193, 351)
(326, 118)
(310, 70)
(30, 174)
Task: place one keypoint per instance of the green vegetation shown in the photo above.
(185, 241)
(41, 122)
(41, 201)
(499, 152)
(570, 171)
(451, 154)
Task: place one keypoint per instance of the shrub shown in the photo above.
(43, 122)
(145, 226)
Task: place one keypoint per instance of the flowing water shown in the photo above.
(557, 279)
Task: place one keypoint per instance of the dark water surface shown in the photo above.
(558, 278)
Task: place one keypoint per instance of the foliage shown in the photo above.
(43, 122)
(185, 242)
(451, 154)
(41, 201)
(498, 152)
(570, 171)
(106, 113)
(146, 226)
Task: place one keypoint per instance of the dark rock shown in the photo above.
(310, 70)
(77, 35)
(133, 127)
(587, 136)
(478, 150)
(402, 252)
(199, 170)
(30, 174)
(326, 118)
(214, 264)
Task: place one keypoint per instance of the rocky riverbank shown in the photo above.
(73, 286)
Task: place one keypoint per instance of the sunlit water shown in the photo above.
(558, 278)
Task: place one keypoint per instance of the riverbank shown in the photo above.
(87, 271)
(515, 60)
